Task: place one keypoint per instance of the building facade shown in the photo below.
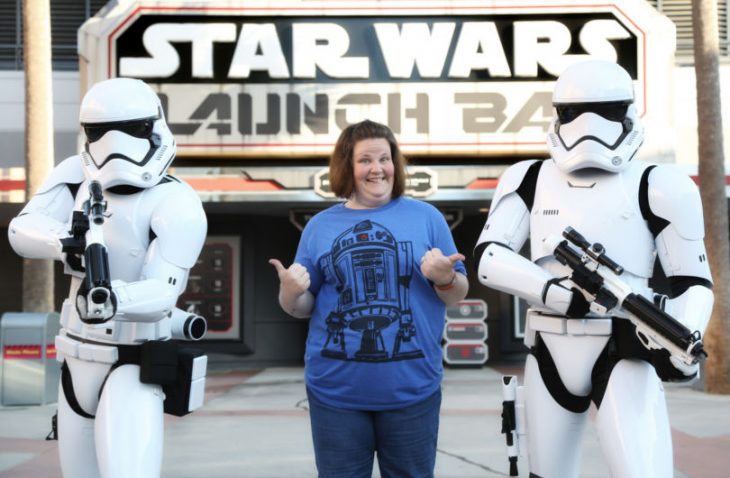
(257, 95)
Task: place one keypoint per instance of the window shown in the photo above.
(11, 35)
(680, 12)
(66, 18)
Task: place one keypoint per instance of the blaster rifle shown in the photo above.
(95, 302)
(509, 421)
(598, 275)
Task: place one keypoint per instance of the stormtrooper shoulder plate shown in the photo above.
(68, 172)
(674, 216)
(179, 240)
(512, 180)
(36, 231)
(508, 221)
(674, 197)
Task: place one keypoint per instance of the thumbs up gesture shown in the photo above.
(438, 268)
(294, 280)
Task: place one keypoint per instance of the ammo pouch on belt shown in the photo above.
(179, 370)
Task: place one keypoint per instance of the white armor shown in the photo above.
(607, 134)
(153, 231)
(127, 139)
(638, 213)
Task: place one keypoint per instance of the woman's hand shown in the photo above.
(294, 295)
(438, 268)
(293, 280)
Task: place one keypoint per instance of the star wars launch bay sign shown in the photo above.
(282, 79)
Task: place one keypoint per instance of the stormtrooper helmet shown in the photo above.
(127, 139)
(595, 124)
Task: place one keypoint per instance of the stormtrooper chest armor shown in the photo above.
(602, 206)
(127, 231)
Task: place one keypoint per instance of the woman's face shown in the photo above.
(373, 173)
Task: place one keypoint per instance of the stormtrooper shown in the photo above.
(594, 184)
(128, 234)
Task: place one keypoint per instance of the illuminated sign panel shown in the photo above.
(383, 49)
(283, 79)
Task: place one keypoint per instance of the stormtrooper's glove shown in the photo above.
(569, 302)
(579, 306)
(73, 246)
(688, 371)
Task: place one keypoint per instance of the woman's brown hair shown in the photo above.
(341, 167)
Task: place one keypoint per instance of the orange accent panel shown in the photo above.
(482, 184)
(231, 184)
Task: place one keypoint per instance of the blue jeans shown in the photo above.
(345, 441)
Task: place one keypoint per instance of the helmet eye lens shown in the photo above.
(137, 128)
(567, 113)
(610, 110)
(94, 133)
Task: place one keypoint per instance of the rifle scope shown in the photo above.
(595, 251)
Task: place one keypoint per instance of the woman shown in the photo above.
(374, 273)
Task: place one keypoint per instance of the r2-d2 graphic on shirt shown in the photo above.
(373, 273)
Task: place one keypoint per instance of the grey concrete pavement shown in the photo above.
(255, 424)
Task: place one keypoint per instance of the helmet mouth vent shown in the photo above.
(610, 134)
(632, 137)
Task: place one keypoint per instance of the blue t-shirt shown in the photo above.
(374, 338)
